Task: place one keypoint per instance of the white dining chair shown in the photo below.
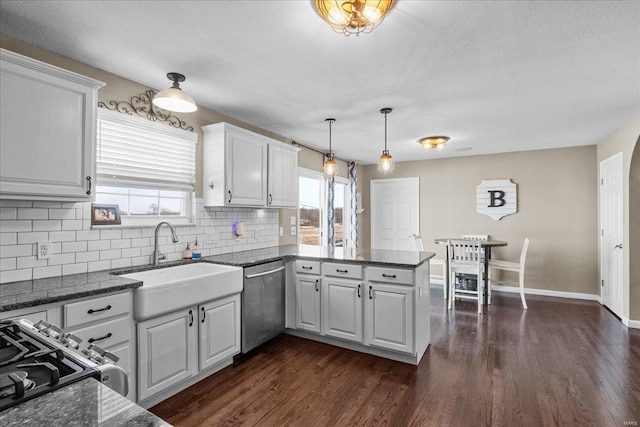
(518, 267)
(465, 257)
(439, 262)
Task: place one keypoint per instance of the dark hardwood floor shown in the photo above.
(561, 363)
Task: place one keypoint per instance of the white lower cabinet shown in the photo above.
(219, 330)
(176, 346)
(389, 317)
(342, 309)
(308, 303)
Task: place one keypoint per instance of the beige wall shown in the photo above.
(624, 140)
(634, 235)
(557, 210)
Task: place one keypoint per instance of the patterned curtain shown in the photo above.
(353, 219)
(330, 213)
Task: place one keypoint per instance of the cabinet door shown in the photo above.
(389, 317)
(167, 351)
(246, 169)
(219, 330)
(48, 131)
(342, 309)
(308, 303)
(283, 177)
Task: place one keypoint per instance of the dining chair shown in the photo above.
(517, 267)
(465, 257)
(439, 262)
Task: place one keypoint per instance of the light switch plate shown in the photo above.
(294, 230)
(281, 231)
(293, 220)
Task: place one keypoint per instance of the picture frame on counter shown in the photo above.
(104, 214)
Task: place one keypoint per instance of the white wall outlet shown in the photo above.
(44, 250)
(294, 230)
(281, 231)
(293, 220)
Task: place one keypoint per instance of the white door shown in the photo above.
(389, 317)
(395, 213)
(167, 351)
(308, 303)
(611, 219)
(342, 309)
(219, 330)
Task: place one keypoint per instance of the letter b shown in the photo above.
(497, 198)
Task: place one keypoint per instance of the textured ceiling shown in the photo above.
(494, 76)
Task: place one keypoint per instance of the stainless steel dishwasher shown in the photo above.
(263, 308)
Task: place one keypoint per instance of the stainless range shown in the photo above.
(37, 359)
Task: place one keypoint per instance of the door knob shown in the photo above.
(618, 246)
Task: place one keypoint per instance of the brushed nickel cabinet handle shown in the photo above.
(89, 190)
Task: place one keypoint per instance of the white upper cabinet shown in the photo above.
(236, 168)
(48, 131)
(282, 177)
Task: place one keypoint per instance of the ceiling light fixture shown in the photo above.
(433, 142)
(174, 99)
(330, 167)
(386, 163)
(353, 16)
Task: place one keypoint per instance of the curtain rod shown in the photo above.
(296, 143)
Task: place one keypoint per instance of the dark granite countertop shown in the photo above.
(30, 293)
(381, 257)
(84, 403)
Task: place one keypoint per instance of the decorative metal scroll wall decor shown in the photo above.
(142, 106)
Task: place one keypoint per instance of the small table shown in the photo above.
(486, 244)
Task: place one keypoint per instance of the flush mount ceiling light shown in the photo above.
(174, 99)
(353, 16)
(433, 142)
(330, 167)
(386, 163)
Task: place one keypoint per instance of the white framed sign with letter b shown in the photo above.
(497, 198)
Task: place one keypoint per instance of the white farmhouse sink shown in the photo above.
(172, 288)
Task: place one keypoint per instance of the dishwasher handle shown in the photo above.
(264, 273)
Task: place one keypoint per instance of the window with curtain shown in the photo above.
(146, 168)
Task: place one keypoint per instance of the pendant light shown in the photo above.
(174, 99)
(386, 163)
(330, 167)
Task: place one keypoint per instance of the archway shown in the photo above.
(634, 234)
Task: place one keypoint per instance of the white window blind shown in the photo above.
(134, 152)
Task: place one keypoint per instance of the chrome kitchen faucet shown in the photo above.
(157, 255)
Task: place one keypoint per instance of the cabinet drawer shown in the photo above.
(105, 334)
(349, 271)
(82, 312)
(390, 275)
(308, 267)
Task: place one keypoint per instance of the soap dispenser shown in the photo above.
(187, 254)
(196, 251)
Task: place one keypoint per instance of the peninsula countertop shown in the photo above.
(380, 257)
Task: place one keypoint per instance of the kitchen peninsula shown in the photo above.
(367, 300)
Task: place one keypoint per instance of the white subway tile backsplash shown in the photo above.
(32, 237)
(40, 272)
(12, 251)
(33, 213)
(76, 248)
(62, 236)
(47, 225)
(15, 276)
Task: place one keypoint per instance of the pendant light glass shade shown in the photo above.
(353, 16)
(330, 167)
(386, 163)
(174, 99)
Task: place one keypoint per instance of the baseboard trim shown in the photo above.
(546, 292)
(635, 324)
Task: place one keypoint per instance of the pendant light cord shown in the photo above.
(385, 131)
